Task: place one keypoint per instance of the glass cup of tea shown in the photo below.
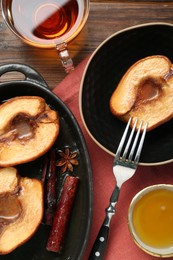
(47, 23)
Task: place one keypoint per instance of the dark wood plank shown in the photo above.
(105, 18)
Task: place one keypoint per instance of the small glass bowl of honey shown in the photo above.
(150, 220)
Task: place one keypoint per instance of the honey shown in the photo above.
(10, 208)
(152, 218)
(149, 90)
(23, 127)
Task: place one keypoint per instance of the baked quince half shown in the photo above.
(28, 129)
(21, 208)
(146, 92)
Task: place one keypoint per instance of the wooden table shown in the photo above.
(106, 17)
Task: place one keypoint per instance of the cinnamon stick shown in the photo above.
(44, 170)
(62, 215)
(51, 190)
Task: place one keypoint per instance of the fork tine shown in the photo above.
(135, 142)
(136, 160)
(121, 144)
(122, 140)
(129, 141)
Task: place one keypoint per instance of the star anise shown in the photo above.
(68, 159)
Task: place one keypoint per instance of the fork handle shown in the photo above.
(99, 246)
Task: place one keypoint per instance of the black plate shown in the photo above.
(103, 72)
(70, 135)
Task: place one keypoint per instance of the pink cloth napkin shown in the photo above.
(120, 245)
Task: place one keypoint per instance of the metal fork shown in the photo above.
(124, 168)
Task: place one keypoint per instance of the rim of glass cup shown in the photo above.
(158, 252)
(69, 36)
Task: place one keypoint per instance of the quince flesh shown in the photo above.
(21, 208)
(146, 92)
(28, 129)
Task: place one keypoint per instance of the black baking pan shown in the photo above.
(70, 135)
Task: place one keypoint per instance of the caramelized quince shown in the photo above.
(146, 92)
(28, 129)
(21, 208)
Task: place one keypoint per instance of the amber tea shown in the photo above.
(46, 23)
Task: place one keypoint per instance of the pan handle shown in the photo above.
(30, 73)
